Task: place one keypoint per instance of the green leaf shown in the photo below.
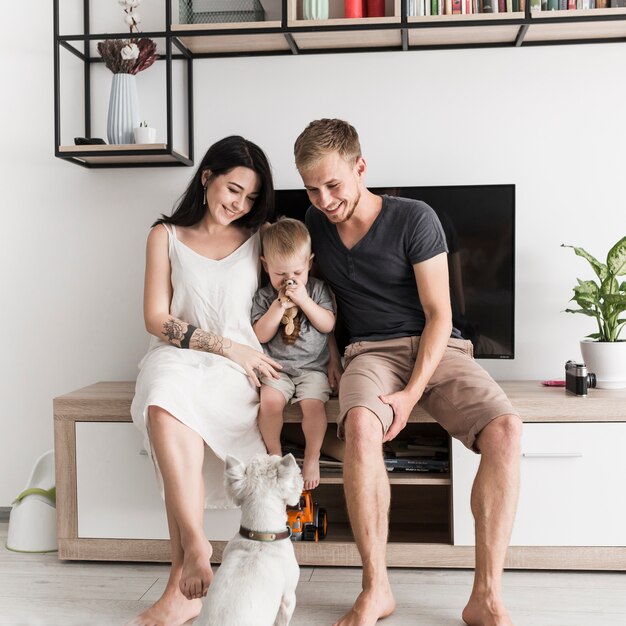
(594, 336)
(599, 268)
(618, 299)
(609, 286)
(586, 286)
(616, 258)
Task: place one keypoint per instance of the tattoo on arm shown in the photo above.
(173, 330)
(180, 334)
(210, 342)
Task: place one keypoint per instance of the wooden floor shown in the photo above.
(40, 590)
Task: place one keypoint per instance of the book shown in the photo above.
(417, 465)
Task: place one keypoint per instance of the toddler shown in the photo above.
(301, 348)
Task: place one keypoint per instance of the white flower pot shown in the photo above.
(607, 360)
(145, 134)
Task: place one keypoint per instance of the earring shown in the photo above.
(204, 195)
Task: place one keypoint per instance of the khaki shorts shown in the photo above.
(312, 385)
(461, 395)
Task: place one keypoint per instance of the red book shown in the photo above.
(501, 6)
(352, 8)
(456, 6)
(375, 8)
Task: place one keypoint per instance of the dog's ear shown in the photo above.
(234, 477)
(290, 479)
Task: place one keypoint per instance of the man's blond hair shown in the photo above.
(285, 239)
(321, 137)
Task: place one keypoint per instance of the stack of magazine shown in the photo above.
(417, 453)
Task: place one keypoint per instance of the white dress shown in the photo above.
(207, 392)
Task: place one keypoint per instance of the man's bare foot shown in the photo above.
(311, 471)
(485, 611)
(197, 573)
(369, 607)
(171, 609)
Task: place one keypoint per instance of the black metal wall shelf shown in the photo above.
(292, 35)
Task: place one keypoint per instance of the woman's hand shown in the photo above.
(256, 364)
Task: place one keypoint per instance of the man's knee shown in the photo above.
(502, 435)
(363, 429)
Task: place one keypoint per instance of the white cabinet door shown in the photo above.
(117, 492)
(573, 479)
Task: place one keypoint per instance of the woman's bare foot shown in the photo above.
(370, 606)
(311, 471)
(485, 611)
(197, 573)
(171, 609)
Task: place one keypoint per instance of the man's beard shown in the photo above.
(347, 213)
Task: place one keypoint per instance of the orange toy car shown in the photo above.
(308, 521)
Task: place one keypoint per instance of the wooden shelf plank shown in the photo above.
(110, 401)
(459, 35)
(555, 31)
(176, 28)
(100, 154)
(224, 44)
(345, 39)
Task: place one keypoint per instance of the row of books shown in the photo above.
(467, 7)
(417, 453)
(412, 454)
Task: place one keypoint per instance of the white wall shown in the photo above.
(547, 119)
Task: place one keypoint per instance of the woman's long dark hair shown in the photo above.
(222, 157)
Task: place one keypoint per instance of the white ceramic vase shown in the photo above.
(123, 109)
(607, 360)
(315, 9)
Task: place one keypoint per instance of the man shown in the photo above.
(385, 259)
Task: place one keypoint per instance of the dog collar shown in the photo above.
(264, 535)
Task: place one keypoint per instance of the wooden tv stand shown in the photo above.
(572, 512)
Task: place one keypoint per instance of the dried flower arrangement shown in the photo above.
(128, 56)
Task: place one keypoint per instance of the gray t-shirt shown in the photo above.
(374, 281)
(310, 350)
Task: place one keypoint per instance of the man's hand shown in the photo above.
(334, 371)
(402, 404)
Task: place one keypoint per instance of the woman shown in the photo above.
(198, 382)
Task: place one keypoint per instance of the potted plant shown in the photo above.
(605, 300)
(145, 133)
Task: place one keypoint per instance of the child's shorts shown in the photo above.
(312, 385)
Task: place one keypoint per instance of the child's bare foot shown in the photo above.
(197, 573)
(311, 471)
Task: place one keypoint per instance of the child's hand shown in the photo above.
(296, 292)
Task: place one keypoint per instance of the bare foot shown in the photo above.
(311, 471)
(197, 573)
(485, 611)
(171, 609)
(369, 607)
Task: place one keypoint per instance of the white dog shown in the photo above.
(256, 583)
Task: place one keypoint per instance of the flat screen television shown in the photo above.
(479, 223)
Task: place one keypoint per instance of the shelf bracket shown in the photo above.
(291, 42)
(520, 35)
